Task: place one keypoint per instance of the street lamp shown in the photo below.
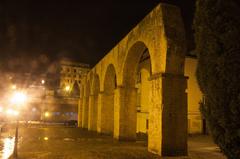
(12, 112)
(13, 86)
(18, 99)
(67, 88)
(46, 114)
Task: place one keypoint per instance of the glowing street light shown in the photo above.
(12, 112)
(14, 87)
(43, 81)
(46, 114)
(67, 88)
(19, 98)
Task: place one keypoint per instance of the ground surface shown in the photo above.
(73, 143)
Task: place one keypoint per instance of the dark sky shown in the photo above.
(38, 32)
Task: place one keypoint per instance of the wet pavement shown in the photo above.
(6, 147)
(7, 140)
(74, 143)
(202, 146)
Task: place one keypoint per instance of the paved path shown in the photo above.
(202, 147)
(73, 143)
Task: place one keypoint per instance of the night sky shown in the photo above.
(36, 33)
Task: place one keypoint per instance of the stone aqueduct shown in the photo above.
(108, 101)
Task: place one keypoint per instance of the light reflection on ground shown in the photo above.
(7, 146)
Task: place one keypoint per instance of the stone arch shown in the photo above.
(108, 67)
(126, 110)
(110, 81)
(75, 90)
(143, 86)
(167, 95)
(95, 84)
(132, 59)
(93, 103)
(162, 32)
(107, 102)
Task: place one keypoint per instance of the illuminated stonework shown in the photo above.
(71, 74)
(109, 102)
(195, 124)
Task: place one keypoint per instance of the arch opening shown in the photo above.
(108, 100)
(136, 75)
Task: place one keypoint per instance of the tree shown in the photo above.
(217, 38)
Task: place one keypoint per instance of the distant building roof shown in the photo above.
(73, 63)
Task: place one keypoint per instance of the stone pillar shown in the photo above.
(125, 113)
(91, 111)
(100, 112)
(80, 112)
(85, 112)
(105, 113)
(168, 115)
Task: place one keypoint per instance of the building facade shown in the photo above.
(50, 97)
(71, 74)
(61, 104)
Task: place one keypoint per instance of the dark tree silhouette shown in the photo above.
(217, 37)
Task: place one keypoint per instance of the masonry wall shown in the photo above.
(144, 86)
(162, 33)
(194, 96)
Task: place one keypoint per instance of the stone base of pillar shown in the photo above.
(92, 117)
(85, 112)
(168, 116)
(102, 122)
(125, 102)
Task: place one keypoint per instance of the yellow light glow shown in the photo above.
(46, 114)
(67, 88)
(9, 112)
(1, 109)
(18, 98)
(12, 112)
(16, 113)
(43, 81)
(14, 86)
(8, 146)
(45, 138)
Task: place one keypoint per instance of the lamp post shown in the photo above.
(18, 99)
(15, 152)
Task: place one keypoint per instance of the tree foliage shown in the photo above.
(217, 37)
